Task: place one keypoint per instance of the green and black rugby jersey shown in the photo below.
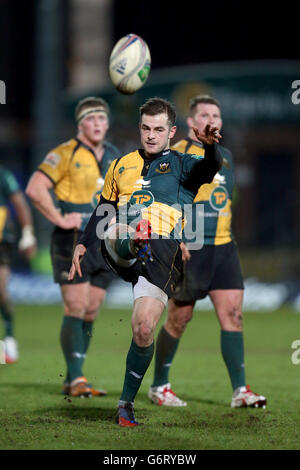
(77, 175)
(8, 186)
(155, 189)
(216, 197)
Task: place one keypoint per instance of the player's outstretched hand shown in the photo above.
(77, 256)
(210, 135)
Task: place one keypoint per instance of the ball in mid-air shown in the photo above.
(129, 64)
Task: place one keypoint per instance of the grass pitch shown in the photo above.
(34, 415)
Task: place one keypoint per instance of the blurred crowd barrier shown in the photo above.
(259, 296)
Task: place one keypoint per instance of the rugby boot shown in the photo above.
(163, 395)
(244, 397)
(125, 415)
(11, 352)
(81, 388)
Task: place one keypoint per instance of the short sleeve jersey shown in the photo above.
(77, 175)
(216, 197)
(155, 189)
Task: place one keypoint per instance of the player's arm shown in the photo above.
(99, 220)
(93, 232)
(105, 210)
(27, 243)
(38, 190)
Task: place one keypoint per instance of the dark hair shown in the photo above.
(155, 106)
(91, 101)
(206, 99)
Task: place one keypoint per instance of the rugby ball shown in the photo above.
(129, 64)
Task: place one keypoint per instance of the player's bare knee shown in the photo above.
(75, 307)
(143, 333)
(177, 320)
(177, 325)
(235, 318)
(91, 315)
(94, 307)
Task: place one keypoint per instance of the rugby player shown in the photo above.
(151, 185)
(213, 270)
(75, 170)
(10, 193)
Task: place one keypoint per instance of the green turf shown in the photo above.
(33, 414)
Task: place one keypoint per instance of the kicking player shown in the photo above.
(10, 192)
(75, 170)
(213, 270)
(146, 184)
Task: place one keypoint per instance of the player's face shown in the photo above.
(155, 133)
(94, 127)
(205, 114)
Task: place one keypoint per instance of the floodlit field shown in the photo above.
(34, 415)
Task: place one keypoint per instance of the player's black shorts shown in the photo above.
(94, 268)
(165, 271)
(213, 267)
(5, 253)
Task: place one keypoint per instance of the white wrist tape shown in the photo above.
(27, 239)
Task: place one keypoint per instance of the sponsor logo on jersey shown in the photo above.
(81, 165)
(142, 182)
(52, 159)
(218, 198)
(122, 169)
(219, 179)
(141, 198)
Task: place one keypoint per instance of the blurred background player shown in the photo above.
(10, 193)
(75, 170)
(154, 167)
(213, 270)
